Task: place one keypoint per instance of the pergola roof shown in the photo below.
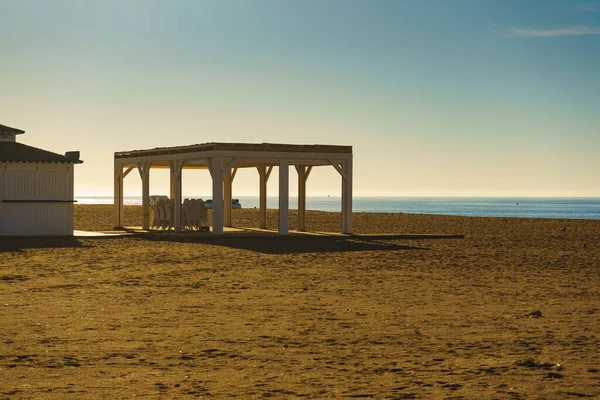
(249, 154)
(269, 147)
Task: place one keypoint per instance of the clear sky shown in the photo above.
(437, 97)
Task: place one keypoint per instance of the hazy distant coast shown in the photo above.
(558, 208)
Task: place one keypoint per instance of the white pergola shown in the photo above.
(223, 160)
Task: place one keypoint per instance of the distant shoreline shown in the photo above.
(511, 207)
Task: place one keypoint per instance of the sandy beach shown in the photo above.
(509, 311)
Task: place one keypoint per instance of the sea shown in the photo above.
(514, 207)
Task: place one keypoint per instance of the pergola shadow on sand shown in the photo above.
(223, 160)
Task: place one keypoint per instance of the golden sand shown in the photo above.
(404, 317)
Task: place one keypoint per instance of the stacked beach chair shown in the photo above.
(194, 214)
(161, 212)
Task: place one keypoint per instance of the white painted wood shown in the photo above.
(308, 169)
(347, 197)
(171, 183)
(232, 164)
(302, 176)
(144, 170)
(54, 184)
(37, 219)
(223, 165)
(20, 182)
(128, 170)
(228, 186)
(284, 173)
(263, 177)
(338, 165)
(46, 191)
(176, 169)
(2, 170)
(263, 157)
(217, 194)
(118, 212)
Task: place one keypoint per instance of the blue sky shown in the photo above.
(446, 98)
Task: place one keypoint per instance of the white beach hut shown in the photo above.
(36, 188)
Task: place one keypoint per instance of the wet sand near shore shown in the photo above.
(510, 311)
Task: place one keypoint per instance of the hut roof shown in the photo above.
(8, 129)
(14, 152)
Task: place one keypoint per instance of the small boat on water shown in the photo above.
(235, 203)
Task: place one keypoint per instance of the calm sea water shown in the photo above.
(570, 208)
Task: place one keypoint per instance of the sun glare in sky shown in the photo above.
(437, 98)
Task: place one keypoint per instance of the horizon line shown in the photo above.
(378, 196)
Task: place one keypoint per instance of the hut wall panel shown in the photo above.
(54, 185)
(37, 182)
(20, 184)
(2, 170)
(35, 219)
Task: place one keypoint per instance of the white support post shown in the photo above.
(171, 185)
(302, 177)
(118, 212)
(308, 169)
(264, 174)
(127, 171)
(216, 171)
(284, 174)
(347, 196)
(228, 183)
(144, 170)
(176, 168)
(339, 167)
(231, 165)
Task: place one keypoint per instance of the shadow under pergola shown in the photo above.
(269, 242)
